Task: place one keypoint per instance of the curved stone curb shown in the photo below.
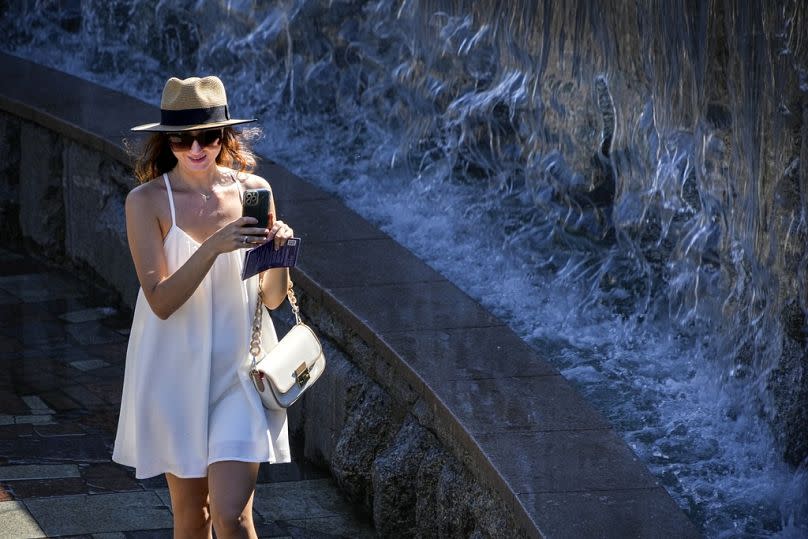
(433, 392)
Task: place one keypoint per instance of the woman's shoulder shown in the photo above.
(251, 181)
(146, 193)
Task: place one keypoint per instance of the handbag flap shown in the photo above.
(298, 346)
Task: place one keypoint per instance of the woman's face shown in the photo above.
(196, 150)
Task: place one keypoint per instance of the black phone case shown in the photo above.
(256, 204)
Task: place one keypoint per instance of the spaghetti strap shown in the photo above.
(170, 199)
(238, 185)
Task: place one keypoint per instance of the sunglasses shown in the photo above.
(184, 141)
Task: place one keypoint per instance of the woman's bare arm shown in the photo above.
(168, 292)
(275, 280)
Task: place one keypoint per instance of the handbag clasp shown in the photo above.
(258, 379)
(302, 374)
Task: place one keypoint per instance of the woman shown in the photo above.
(188, 409)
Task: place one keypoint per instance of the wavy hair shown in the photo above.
(155, 157)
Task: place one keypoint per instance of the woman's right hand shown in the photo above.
(239, 234)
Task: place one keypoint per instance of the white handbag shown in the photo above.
(292, 366)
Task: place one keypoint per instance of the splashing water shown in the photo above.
(632, 171)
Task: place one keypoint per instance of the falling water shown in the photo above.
(632, 171)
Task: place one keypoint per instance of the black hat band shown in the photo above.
(194, 116)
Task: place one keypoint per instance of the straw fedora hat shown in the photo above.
(190, 104)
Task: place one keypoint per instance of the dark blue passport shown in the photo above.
(265, 257)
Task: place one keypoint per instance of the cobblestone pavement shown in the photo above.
(62, 349)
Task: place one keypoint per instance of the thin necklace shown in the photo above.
(206, 197)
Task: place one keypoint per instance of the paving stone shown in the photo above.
(7, 299)
(13, 431)
(299, 500)
(18, 522)
(38, 351)
(48, 487)
(87, 315)
(267, 528)
(59, 429)
(83, 396)
(9, 346)
(109, 391)
(25, 313)
(12, 404)
(154, 483)
(65, 449)
(7, 420)
(35, 287)
(60, 402)
(45, 333)
(100, 513)
(113, 352)
(337, 526)
(109, 477)
(289, 471)
(74, 353)
(100, 421)
(37, 405)
(33, 419)
(42, 471)
(15, 264)
(93, 333)
(89, 364)
(165, 533)
(110, 535)
(164, 496)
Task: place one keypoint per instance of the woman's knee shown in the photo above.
(231, 519)
(192, 518)
(189, 504)
(232, 485)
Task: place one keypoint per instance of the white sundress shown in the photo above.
(187, 399)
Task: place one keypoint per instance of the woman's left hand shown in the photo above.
(280, 233)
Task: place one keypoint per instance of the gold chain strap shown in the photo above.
(255, 339)
(290, 295)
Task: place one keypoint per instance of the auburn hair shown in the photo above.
(155, 157)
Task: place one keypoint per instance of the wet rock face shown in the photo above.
(394, 475)
(383, 457)
(366, 433)
(9, 176)
(42, 208)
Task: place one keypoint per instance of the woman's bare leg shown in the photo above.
(191, 507)
(232, 485)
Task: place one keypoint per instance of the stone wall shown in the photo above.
(380, 440)
(66, 200)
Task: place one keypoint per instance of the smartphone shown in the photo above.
(256, 204)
